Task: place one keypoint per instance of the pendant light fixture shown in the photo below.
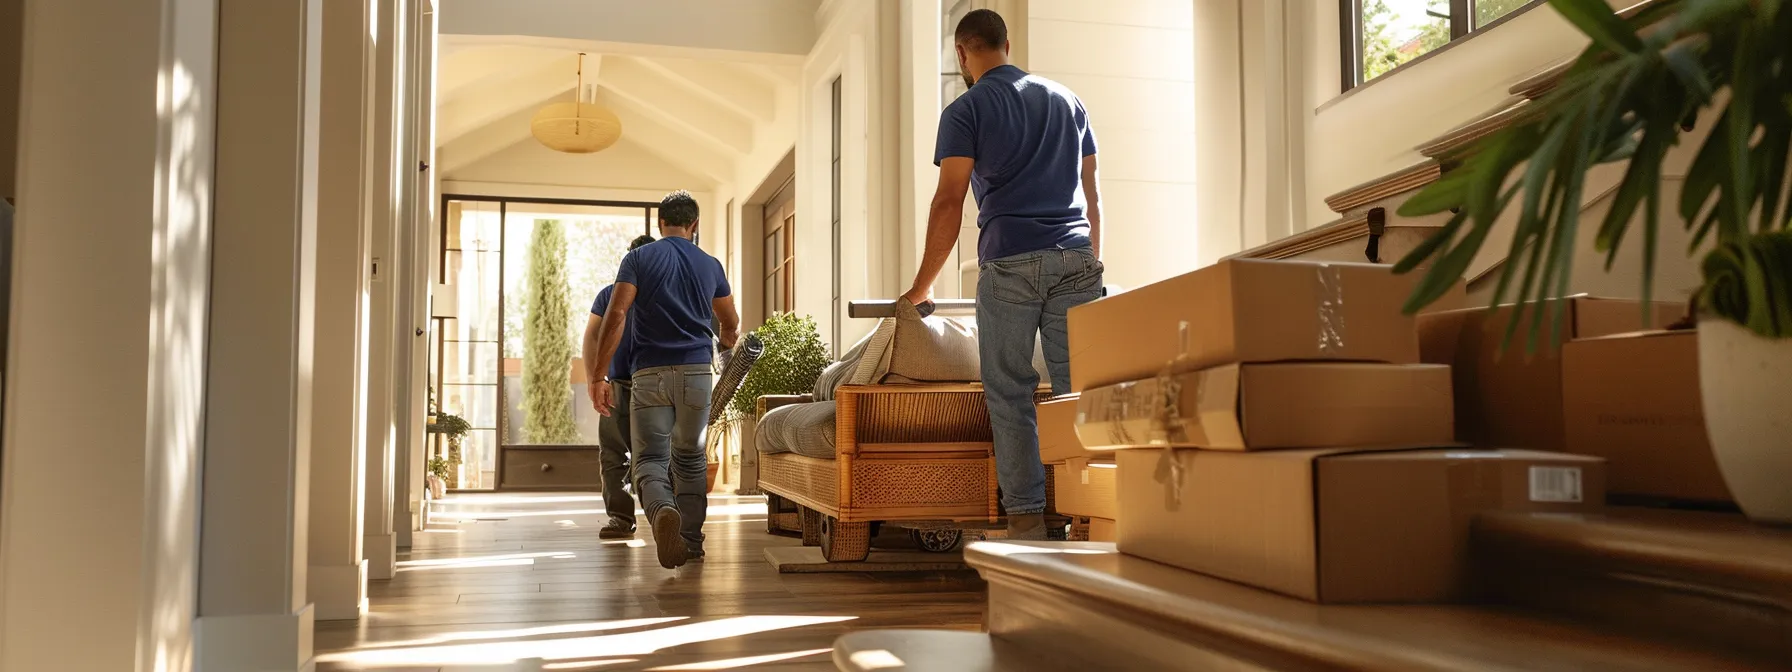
(576, 127)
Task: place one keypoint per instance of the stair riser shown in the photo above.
(1650, 606)
(1065, 626)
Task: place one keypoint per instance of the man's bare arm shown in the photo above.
(944, 219)
(588, 348)
(609, 333)
(729, 319)
(1092, 194)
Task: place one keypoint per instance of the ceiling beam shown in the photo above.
(667, 98)
(455, 43)
(721, 83)
(784, 27)
(472, 147)
(502, 94)
(646, 127)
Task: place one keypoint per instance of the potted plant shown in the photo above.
(1642, 84)
(453, 429)
(440, 469)
(794, 357)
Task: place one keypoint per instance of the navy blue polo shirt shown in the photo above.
(673, 314)
(1028, 136)
(622, 364)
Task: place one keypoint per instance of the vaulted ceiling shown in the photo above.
(695, 82)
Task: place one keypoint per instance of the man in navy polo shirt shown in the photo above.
(613, 430)
(1024, 145)
(671, 293)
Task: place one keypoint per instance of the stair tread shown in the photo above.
(892, 650)
(1383, 637)
(1718, 548)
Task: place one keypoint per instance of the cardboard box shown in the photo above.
(1086, 488)
(1338, 526)
(1101, 529)
(1274, 406)
(1634, 400)
(1057, 431)
(1244, 310)
(1514, 399)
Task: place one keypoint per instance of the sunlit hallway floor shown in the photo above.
(521, 582)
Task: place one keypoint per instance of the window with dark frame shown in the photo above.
(835, 197)
(1377, 36)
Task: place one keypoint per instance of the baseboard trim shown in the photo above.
(382, 556)
(256, 643)
(338, 592)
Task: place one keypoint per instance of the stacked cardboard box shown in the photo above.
(1274, 425)
(1611, 391)
(1082, 480)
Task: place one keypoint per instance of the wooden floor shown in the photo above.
(521, 582)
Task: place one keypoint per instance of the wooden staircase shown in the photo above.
(1629, 590)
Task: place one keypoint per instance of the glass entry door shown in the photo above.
(504, 261)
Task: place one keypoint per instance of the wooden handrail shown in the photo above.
(1407, 179)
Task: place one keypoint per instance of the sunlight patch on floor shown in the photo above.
(603, 646)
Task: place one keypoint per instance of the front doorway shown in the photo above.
(508, 267)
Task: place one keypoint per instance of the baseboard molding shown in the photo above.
(257, 643)
(338, 592)
(382, 556)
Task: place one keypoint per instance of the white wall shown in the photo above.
(1132, 63)
(766, 26)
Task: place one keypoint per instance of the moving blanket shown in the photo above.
(734, 365)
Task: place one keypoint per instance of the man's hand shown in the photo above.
(919, 296)
(600, 397)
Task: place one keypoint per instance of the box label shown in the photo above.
(1085, 477)
(1555, 484)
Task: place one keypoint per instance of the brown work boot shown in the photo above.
(1026, 527)
(617, 529)
(666, 538)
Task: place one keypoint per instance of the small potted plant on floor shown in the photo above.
(1642, 84)
(453, 429)
(794, 357)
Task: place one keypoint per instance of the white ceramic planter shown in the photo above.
(1746, 382)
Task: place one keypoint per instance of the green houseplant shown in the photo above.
(547, 348)
(453, 429)
(1638, 89)
(794, 357)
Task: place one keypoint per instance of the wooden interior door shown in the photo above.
(779, 248)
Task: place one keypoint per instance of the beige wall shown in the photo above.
(1375, 129)
(1133, 65)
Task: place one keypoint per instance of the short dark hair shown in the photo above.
(982, 29)
(678, 209)
(640, 242)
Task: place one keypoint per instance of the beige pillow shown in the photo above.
(933, 349)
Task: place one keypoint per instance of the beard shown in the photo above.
(968, 82)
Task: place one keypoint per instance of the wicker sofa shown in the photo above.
(916, 456)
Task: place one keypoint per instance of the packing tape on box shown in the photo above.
(1166, 419)
(1331, 309)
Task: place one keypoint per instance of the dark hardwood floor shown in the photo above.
(521, 582)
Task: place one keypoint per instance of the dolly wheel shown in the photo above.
(937, 541)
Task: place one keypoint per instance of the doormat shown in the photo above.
(808, 560)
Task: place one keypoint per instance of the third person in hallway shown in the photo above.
(672, 293)
(614, 440)
(1023, 144)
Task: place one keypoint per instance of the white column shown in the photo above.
(411, 304)
(253, 607)
(338, 578)
(385, 513)
(104, 406)
(422, 251)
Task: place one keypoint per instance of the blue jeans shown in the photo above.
(668, 416)
(1018, 298)
(613, 441)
